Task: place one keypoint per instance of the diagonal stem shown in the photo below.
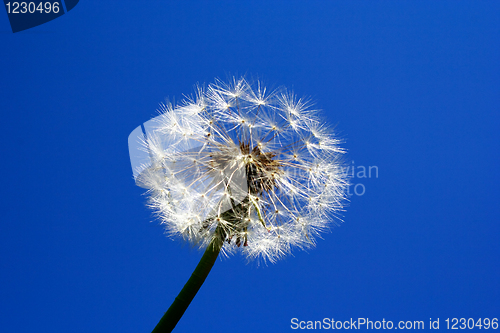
(176, 310)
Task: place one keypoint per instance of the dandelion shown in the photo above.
(237, 168)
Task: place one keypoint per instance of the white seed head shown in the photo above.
(259, 171)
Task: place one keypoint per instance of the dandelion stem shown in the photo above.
(176, 310)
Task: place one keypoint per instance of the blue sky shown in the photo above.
(412, 87)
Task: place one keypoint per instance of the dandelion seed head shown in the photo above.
(257, 170)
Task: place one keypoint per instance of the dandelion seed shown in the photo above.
(258, 171)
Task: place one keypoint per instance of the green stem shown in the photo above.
(182, 301)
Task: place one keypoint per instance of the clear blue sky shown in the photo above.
(413, 88)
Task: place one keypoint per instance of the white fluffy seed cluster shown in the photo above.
(257, 170)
